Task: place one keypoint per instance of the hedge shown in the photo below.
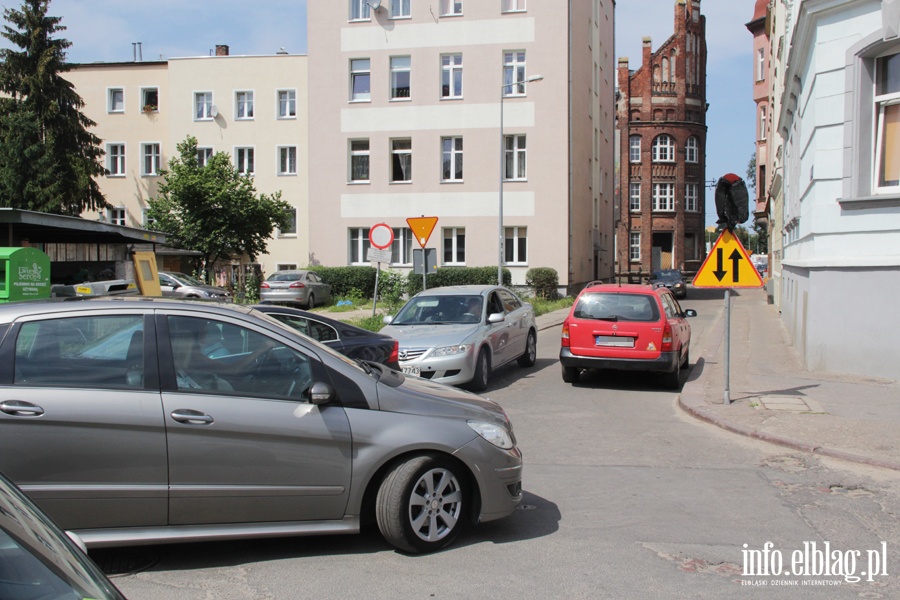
(456, 276)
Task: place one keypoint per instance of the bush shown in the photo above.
(348, 282)
(456, 276)
(544, 281)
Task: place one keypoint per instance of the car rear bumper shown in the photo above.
(665, 363)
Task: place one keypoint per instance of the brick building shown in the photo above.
(661, 122)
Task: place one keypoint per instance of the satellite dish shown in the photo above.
(374, 4)
(214, 111)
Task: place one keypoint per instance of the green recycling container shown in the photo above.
(24, 274)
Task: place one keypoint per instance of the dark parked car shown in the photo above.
(179, 285)
(347, 339)
(38, 561)
(672, 279)
(216, 421)
(305, 288)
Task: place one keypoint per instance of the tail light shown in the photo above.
(565, 335)
(667, 338)
(297, 284)
(395, 353)
(264, 285)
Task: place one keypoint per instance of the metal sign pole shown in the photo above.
(727, 346)
(375, 296)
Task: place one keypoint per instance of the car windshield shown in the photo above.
(666, 275)
(282, 276)
(441, 310)
(616, 307)
(186, 279)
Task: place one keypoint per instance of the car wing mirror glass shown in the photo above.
(320, 393)
(690, 312)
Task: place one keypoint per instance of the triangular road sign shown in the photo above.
(727, 266)
(422, 228)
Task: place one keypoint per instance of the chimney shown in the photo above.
(137, 55)
(221, 50)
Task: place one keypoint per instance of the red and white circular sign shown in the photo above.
(381, 236)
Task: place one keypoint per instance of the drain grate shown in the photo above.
(123, 561)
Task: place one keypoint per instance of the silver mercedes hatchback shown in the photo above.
(140, 421)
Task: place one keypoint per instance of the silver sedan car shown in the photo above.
(302, 287)
(140, 421)
(459, 334)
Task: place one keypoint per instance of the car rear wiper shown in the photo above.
(609, 318)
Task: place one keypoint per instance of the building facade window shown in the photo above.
(146, 220)
(513, 5)
(692, 150)
(203, 103)
(244, 160)
(454, 245)
(400, 9)
(359, 160)
(763, 122)
(887, 110)
(401, 160)
(115, 100)
(359, 10)
(451, 76)
(116, 215)
(402, 248)
(760, 64)
(515, 245)
(664, 148)
(287, 160)
(151, 159)
(287, 104)
(451, 159)
(360, 80)
(115, 160)
(513, 72)
(150, 99)
(203, 156)
(515, 162)
(290, 227)
(359, 246)
(663, 196)
(634, 148)
(451, 7)
(634, 197)
(400, 77)
(243, 105)
(691, 197)
(634, 246)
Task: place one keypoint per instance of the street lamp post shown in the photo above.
(502, 169)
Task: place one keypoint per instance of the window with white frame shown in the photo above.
(513, 5)
(203, 156)
(116, 215)
(243, 105)
(514, 73)
(287, 104)
(887, 111)
(691, 197)
(634, 197)
(359, 160)
(400, 74)
(244, 160)
(287, 160)
(663, 148)
(203, 103)
(451, 159)
(286, 266)
(454, 245)
(360, 80)
(289, 229)
(150, 99)
(358, 245)
(151, 159)
(115, 100)
(692, 150)
(514, 163)
(515, 245)
(451, 76)
(400, 9)
(760, 64)
(115, 160)
(763, 122)
(663, 196)
(634, 148)
(401, 160)
(147, 221)
(359, 10)
(402, 248)
(634, 245)
(451, 7)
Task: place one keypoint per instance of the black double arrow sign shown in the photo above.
(735, 257)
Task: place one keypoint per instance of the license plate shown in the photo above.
(414, 371)
(614, 340)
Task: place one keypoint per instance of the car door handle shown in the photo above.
(184, 415)
(20, 408)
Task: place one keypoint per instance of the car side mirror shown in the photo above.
(496, 318)
(320, 393)
(387, 320)
(690, 312)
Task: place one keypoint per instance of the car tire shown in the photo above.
(311, 302)
(529, 357)
(421, 504)
(673, 378)
(482, 375)
(570, 374)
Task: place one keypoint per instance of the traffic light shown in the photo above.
(732, 201)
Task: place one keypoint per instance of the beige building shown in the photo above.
(407, 102)
(252, 107)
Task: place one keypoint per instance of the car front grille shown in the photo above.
(411, 353)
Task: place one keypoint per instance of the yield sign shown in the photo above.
(727, 266)
(422, 228)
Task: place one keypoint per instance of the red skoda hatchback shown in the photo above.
(626, 327)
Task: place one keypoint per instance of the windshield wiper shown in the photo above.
(365, 366)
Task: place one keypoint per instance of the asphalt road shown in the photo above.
(626, 497)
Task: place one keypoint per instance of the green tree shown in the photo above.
(751, 172)
(213, 209)
(48, 158)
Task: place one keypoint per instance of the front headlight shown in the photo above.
(492, 433)
(451, 350)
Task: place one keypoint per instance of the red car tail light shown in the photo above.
(297, 284)
(565, 335)
(395, 353)
(264, 285)
(667, 338)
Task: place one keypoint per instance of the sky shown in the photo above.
(106, 30)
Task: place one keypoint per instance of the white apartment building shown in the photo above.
(839, 119)
(406, 102)
(252, 107)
